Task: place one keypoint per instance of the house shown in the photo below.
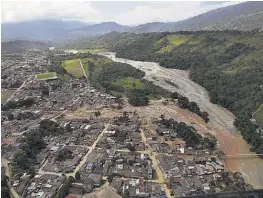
(88, 185)
(110, 141)
(76, 188)
(97, 179)
(111, 153)
(90, 166)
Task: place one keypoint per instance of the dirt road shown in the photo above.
(82, 68)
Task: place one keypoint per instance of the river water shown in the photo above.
(221, 120)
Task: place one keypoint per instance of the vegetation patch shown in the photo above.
(46, 75)
(259, 116)
(169, 42)
(130, 83)
(73, 67)
(177, 39)
(6, 94)
(235, 70)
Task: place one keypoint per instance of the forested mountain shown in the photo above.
(243, 16)
(22, 45)
(227, 63)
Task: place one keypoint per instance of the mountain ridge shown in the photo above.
(243, 16)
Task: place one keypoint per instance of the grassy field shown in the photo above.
(46, 75)
(73, 67)
(6, 94)
(171, 41)
(259, 116)
(177, 39)
(130, 83)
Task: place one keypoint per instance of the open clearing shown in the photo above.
(259, 116)
(6, 94)
(130, 83)
(73, 67)
(171, 42)
(46, 75)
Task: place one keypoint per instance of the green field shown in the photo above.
(46, 75)
(259, 116)
(6, 94)
(170, 42)
(130, 83)
(73, 67)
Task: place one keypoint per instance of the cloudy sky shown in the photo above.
(125, 13)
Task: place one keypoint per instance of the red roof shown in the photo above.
(7, 141)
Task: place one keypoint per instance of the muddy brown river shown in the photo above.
(221, 120)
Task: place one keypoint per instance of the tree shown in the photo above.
(97, 113)
(183, 102)
(68, 127)
(63, 154)
(10, 116)
(174, 95)
(20, 160)
(77, 175)
(131, 147)
(110, 178)
(126, 194)
(45, 91)
(137, 97)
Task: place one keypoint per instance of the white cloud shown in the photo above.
(85, 11)
(26, 10)
(175, 11)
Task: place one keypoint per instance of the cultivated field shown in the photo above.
(73, 67)
(6, 94)
(46, 75)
